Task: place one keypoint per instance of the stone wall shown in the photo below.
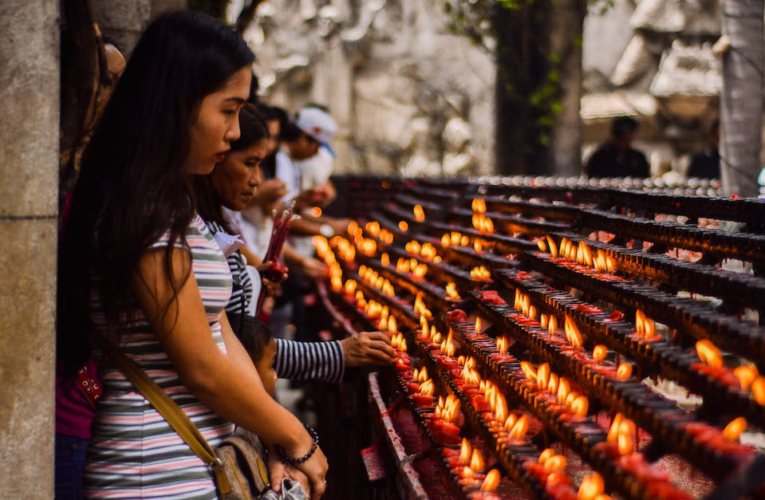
(409, 96)
(29, 98)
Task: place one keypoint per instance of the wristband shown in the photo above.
(282, 455)
(326, 231)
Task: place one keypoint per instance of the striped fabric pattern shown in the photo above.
(241, 291)
(323, 361)
(134, 453)
(310, 360)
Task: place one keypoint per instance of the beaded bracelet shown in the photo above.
(282, 455)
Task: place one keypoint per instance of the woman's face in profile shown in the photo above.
(238, 176)
(217, 123)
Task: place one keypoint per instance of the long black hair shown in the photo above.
(253, 128)
(133, 186)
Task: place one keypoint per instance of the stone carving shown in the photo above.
(409, 97)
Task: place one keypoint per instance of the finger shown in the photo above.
(377, 336)
(378, 357)
(317, 488)
(381, 346)
(277, 473)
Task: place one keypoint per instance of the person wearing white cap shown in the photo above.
(301, 141)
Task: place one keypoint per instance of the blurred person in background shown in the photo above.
(706, 164)
(616, 157)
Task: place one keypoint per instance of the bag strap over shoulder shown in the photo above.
(170, 410)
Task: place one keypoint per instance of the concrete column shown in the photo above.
(29, 146)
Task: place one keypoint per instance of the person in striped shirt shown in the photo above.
(230, 189)
(138, 266)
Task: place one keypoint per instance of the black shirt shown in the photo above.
(608, 161)
(705, 165)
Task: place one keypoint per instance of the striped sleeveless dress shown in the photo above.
(134, 453)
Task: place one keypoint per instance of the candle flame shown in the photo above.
(477, 246)
(373, 228)
(427, 388)
(477, 462)
(480, 273)
(479, 205)
(580, 406)
(625, 444)
(600, 352)
(543, 376)
(467, 473)
(543, 321)
(510, 422)
(466, 452)
(448, 346)
(361, 302)
(350, 287)
(564, 389)
(624, 371)
(392, 326)
(502, 345)
(646, 327)
(573, 334)
(491, 481)
(500, 410)
(758, 390)
(709, 353)
(337, 283)
(519, 429)
(353, 228)
(464, 241)
(445, 240)
(419, 213)
(420, 270)
(387, 289)
(745, 375)
(423, 375)
(385, 259)
(734, 429)
(552, 246)
(528, 370)
(402, 265)
(483, 223)
(451, 290)
(546, 455)
(455, 237)
(592, 486)
(542, 244)
(601, 264)
(613, 431)
(413, 247)
(584, 254)
(552, 384)
(555, 463)
(403, 226)
(552, 325)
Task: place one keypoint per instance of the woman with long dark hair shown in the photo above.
(230, 188)
(139, 268)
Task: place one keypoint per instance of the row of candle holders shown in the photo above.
(687, 315)
(736, 289)
(660, 417)
(654, 357)
(719, 243)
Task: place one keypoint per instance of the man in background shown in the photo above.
(616, 157)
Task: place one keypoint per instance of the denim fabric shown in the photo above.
(70, 461)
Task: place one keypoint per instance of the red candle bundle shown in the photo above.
(279, 234)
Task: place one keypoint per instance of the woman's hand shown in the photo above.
(270, 191)
(316, 470)
(367, 348)
(278, 471)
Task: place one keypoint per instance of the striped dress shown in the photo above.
(134, 453)
(323, 361)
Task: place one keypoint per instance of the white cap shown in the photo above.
(318, 124)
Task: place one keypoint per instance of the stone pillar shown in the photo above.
(29, 146)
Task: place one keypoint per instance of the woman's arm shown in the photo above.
(227, 383)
